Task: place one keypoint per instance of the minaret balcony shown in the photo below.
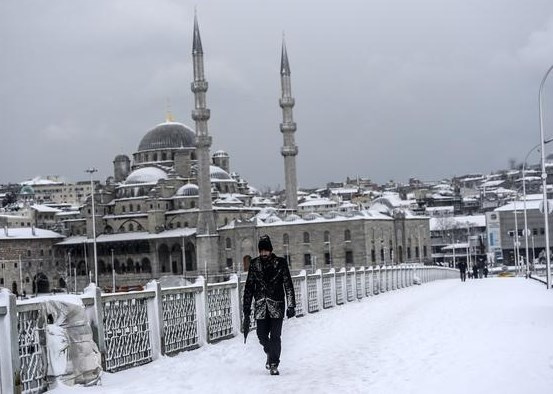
(200, 114)
(289, 150)
(287, 102)
(199, 86)
(288, 127)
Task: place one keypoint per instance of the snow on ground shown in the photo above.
(490, 335)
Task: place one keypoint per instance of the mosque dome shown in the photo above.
(121, 158)
(220, 153)
(168, 135)
(217, 173)
(188, 190)
(27, 189)
(146, 175)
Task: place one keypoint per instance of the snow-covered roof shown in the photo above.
(519, 206)
(38, 181)
(492, 183)
(27, 233)
(132, 236)
(45, 208)
(453, 222)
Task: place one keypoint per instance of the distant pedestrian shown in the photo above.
(485, 270)
(268, 283)
(463, 270)
(475, 270)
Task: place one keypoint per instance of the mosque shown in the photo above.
(176, 210)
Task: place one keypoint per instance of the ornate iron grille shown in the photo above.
(368, 283)
(327, 292)
(32, 351)
(219, 306)
(349, 286)
(339, 289)
(127, 333)
(180, 321)
(299, 296)
(359, 286)
(312, 300)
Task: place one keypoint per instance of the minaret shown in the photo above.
(288, 127)
(206, 241)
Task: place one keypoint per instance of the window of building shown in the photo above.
(1, 281)
(327, 258)
(542, 231)
(373, 255)
(381, 254)
(306, 238)
(347, 236)
(408, 252)
(28, 252)
(326, 236)
(42, 252)
(229, 263)
(131, 208)
(534, 231)
(349, 257)
(417, 252)
(131, 227)
(228, 244)
(424, 250)
(123, 209)
(307, 259)
(285, 239)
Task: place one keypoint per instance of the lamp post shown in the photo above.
(91, 171)
(516, 242)
(525, 211)
(544, 179)
(112, 271)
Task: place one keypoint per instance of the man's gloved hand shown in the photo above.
(290, 312)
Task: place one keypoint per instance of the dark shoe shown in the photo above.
(274, 369)
(267, 365)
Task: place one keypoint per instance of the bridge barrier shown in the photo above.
(138, 327)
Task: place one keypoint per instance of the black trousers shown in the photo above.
(268, 332)
(463, 276)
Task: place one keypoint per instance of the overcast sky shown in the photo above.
(385, 89)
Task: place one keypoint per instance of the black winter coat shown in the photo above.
(267, 284)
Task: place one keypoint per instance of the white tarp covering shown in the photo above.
(73, 357)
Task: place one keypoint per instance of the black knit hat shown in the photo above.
(265, 243)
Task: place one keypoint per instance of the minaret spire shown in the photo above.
(288, 127)
(206, 240)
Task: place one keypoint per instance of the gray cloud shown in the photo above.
(385, 89)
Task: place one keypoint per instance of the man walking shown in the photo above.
(463, 270)
(268, 282)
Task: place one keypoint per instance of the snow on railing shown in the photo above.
(135, 328)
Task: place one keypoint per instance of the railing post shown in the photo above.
(320, 299)
(96, 316)
(235, 304)
(370, 280)
(10, 374)
(201, 311)
(304, 293)
(333, 287)
(155, 319)
(362, 275)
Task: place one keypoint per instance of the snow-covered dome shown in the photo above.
(220, 153)
(273, 219)
(291, 218)
(168, 135)
(217, 173)
(27, 189)
(312, 216)
(189, 189)
(146, 175)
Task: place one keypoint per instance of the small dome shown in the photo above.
(273, 219)
(168, 135)
(312, 216)
(291, 218)
(146, 175)
(27, 190)
(218, 173)
(123, 158)
(220, 153)
(188, 190)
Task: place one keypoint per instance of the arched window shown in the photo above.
(347, 235)
(306, 238)
(228, 243)
(123, 209)
(285, 239)
(131, 227)
(327, 236)
(164, 156)
(155, 157)
(192, 204)
(130, 208)
(178, 224)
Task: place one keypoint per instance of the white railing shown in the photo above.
(135, 328)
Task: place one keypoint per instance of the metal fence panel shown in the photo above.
(180, 321)
(32, 349)
(312, 297)
(127, 333)
(299, 295)
(219, 309)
